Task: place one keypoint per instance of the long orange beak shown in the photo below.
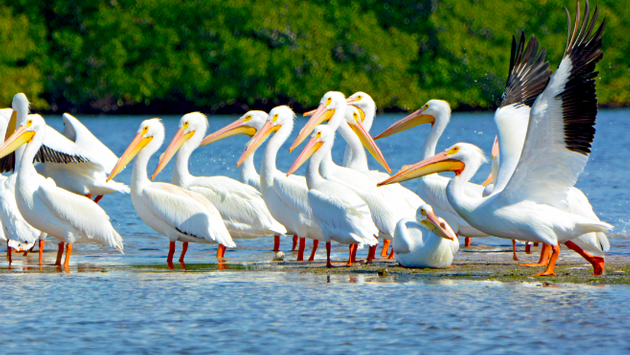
(178, 140)
(495, 147)
(16, 140)
(311, 147)
(414, 119)
(436, 164)
(488, 179)
(11, 125)
(309, 113)
(234, 128)
(267, 129)
(136, 145)
(441, 228)
(320, 115)
(369, 144)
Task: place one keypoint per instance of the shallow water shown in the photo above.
(138, 306)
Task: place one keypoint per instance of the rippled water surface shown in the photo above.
(137, 306)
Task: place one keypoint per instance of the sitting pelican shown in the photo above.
(426, 241)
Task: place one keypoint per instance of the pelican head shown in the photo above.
(150, 135)
(434, 111)
(192, 126)
(455, 159)
(330, 102)
(322, 135)
(279, 116)
(437, 225)
(248, 124)
(23, 134)
(366, 106)
(353, 118)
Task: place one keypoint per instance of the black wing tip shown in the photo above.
(529, 72)
(579, 97)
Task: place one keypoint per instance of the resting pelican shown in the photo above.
(79, 167)
(248, 124)
(561, 127)
(66, 216)
(286, 198)
(341, 214)
(426, 241)
(87, 178)
(172, 211)
(431, 188)
(241, 206)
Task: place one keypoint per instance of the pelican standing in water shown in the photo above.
(66, 216)
(561, 127)
(172, 211)
(241, 206)
(248, 124)
(286, 198)
(341, 214)
(426, 241)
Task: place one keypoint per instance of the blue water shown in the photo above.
(112, 303)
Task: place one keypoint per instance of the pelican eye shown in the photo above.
(328, 101)
(29, 123)
(275, 118)
(453, 150)
(247, 118)
(145, 129)
(319, 134)
(443, 225)
(423, 212)
(185, 125)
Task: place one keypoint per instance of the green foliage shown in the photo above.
(103, 55)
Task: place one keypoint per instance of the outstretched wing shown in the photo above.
(528, 76)
(561, 123)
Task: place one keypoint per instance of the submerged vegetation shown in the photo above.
(173, 56)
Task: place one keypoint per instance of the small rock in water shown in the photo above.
(383, 272)
(279, 256)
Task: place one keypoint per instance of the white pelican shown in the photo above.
(172, 211)
(528, 76)
(241, 206)
(286, 198)
(341, 214)
(555, 151)
(432, 188)
(68, 217)
(248, 124)
(79, 167)
(87, 178)
(426, 241)
(386, 207)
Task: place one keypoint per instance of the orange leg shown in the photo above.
(300, 256)
(184, 250)
(391, 255)
(354, 253)
(315, 245)
(221, 251)
(89, 195)
(25, 252)
(351, 250)
(328, 247)
(98, 198)
(528, 248)
(550, 270)
(9, 253)
(276, 243)
(171, 252)
(536, 245)
(598, 262)
(545, 252)
(66, 263)
(295, 243)
(514, 249)
(41, 251)
(371, 254)
(467, 242)
(386, 243)
(59, 254)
